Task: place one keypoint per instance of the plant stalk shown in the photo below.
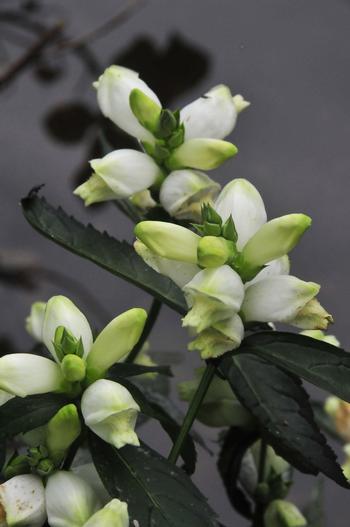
(260, 506)
(192, 411)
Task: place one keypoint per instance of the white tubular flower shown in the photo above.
(313, 316)
(240, 103)
(70, 501)
(114, 514)
(278, 299)
(168, 240)
(213, 295)
(219, 338)
(321, 335)
(125, 172)
(143, 200)
(110, 412)
(22, 502)
(212, 115)
(179, 272)
(242, 201)
(278, 267)
(113, 93)
(24, 374)
(201, 153)
(61, 312)
(35, 320)
(184, 191)
(115, 341)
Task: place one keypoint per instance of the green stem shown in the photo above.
(260, 506)
(192, 411)
(151, 320)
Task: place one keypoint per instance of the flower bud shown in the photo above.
(114, 514)
(216, 340)
(273, 240)
(168, 240)
(15, 467)
(62, 430)
(34, 322)
(61, 312)
(320, 335)
(339, 412)
(70, 501)
(203, 154)
(110, 412)
(213, 115)
(143, 200)
(240, 103)
(145, 109)
(179, 272)
(113, 94)
(95, 190)
(241, 200)
(24, 374)
(220, 406)
(45, 467)
(73, 368)
(312, 316)
(115, 341)
(184, 191)
(212, 296)
(282, 513)
(214, 251)
(22, 502)
(277, 299)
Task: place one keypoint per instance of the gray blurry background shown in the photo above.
(290, 58)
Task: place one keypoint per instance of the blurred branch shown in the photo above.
(31, 53)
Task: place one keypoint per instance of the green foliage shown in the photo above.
(158, 493)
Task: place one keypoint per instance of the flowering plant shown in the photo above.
(71, 452)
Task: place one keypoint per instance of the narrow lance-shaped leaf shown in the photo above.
(320, 363)
(281, 405)
(117, 257)
(158, 493)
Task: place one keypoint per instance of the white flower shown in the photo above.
(212, 115)
(201, 153)
(179, 272)
(114, 514)
(70, 501)
(24, 374)
(184, 191)
(110, 412)
(213, 295)
(22, 502)
(34, 322)
(89, 474)
(113, 93)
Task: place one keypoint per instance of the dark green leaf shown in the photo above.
(169, 425)
(21, 415)
(235, 444)
(320, 363)
(126, 369)
(158, 493)
(281, 405)
(117, 257)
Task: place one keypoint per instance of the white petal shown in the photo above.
(179, 272)
(70, 501)
(277, 299)
(242, 200)
(281, 266)
(34, 322)
(114, 514)
(110, 411)
(212, 115)
(24, 374)
(60, 311)
(126, 171)
(221, 337)
(23, 501)
(113, 92)
(184, 191)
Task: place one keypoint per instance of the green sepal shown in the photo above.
(177, 138)
(210, 215)
(45, 467)
(229, 230)
(16, 466)
(161, 152)
(167, 124)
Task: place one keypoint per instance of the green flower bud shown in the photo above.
(16, 466)
(167, 124)
(73, 368)
(67, 344)
(168, 240)
(45, 467)
(62, 430)
(282, 513)
(214, 251)
(145, 109)
(273, 240)
(203, 154)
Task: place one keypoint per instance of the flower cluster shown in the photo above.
(234, 269)
(176, 146)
